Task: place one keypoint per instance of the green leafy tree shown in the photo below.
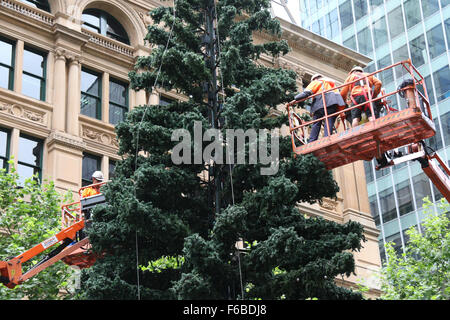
(422, 272)
(29, 214)
(161, 215)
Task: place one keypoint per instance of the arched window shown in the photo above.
(40, 4)
(103, 23)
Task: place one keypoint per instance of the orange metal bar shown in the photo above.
(53, 260)
(439, 178)
(12, 269)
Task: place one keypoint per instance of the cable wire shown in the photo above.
(226, 143)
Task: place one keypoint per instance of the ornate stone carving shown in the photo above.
(99, 136)
(284, 64)
(66, 139)
(329, 204)
(24, 113)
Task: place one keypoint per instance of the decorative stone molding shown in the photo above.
(284, 64)
(329, 204)
(66, 140)
(98, 135)
(60, 54)
(24, 9)
(109, 43)
(25, 113)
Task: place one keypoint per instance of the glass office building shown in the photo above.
(390, 31)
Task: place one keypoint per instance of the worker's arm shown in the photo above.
(377, 86)
(311, 89)
(344, 90)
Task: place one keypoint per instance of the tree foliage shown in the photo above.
(422, 272)
(29, 214)
(159, 215)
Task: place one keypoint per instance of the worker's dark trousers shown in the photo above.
(317, 125)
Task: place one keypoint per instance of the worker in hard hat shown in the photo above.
(333, 101)
(359, 93)
(97, 177)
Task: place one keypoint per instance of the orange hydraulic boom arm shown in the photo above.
(72, 249)
(11, 271)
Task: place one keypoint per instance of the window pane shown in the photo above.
(40, 4)
(430, 92)
(374, 209)
(418, 51)
(91, 19)
(105, 24)
(6, 56)
(435, 142)
(421, 188)
(397, 242)
(32, 87)
(380, 32)
(5, 78)
(429, 7)
(375, 3)
(350, 43)
(400, 54)
(368, 171)
(387, 204)
(319, 27)
(164, 101)
(25, 172)
(115, 30)
(404, 197)
(360, 8)
(395, 19)
(387, 75)
(412, 13)
(30, 151)
(365, 41)
(332, 24)
(442, 83)
(90, 106)
(447, 30)
(112, 169)
(90, 164)
(3, 144)
(116, 114)
(33, 63)
(118, 93)
(445, 122)
(436, 43)
(90, 83)
(345, 12)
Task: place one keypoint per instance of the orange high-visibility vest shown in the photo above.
(89, 192)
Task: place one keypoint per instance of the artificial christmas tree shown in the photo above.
(183, 221)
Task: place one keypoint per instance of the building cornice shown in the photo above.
(323, 49)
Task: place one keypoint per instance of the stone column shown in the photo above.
(105, 97)
(59, 92)
(154, 98)
(18, 66)
(140, 99)
(73, 96)
(105, 167)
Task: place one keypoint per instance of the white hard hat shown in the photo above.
(317, 75)
(98, 175)
(356, 68)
